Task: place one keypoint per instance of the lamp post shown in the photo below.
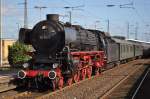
(40, 8)
(72, 8)
(25, 13)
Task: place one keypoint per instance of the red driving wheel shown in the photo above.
(83, 74)
(89, 71)
(60, 83)
(76, 77)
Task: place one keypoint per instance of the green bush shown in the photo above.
(17, 54)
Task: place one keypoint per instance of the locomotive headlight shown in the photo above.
(55, 65)
(22, 74)
(25, 65)
(52, 74)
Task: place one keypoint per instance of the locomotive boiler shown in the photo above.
(64, 54)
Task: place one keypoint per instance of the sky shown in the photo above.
(92, 14)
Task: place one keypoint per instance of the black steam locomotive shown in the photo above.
(64, 54)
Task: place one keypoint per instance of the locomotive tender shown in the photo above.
(66, 53)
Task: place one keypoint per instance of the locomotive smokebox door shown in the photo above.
(48, 37)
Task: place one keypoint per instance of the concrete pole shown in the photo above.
(25, 15)
(108, 26)
(136, 31)
(70, 17)
(128, 31)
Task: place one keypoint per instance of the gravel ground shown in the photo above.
(97, 86)
(7, 94)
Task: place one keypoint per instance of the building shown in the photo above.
(4, 44)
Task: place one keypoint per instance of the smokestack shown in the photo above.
(52, 17)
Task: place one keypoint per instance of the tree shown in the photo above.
(17, 54)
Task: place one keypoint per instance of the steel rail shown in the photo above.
(136, 91)
(118, 84)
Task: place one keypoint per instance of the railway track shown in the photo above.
(117, 85)
(98, 87)
(125, 87)
(141, 90)
(93, 88)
